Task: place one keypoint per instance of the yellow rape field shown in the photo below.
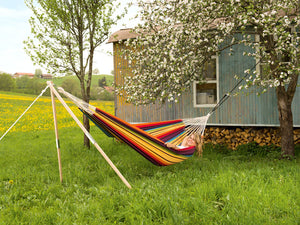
(39, 116)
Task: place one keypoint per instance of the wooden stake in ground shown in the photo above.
(50, 83)
(89, 136)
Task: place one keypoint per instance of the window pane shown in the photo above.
(206, 93)
(265, 71)
(209, 71)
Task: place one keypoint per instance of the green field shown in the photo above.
(109, 79)
(220, 188)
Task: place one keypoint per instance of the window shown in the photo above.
(263, 67)
(206, 95)
(264, 70)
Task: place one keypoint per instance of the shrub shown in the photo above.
(102, 82)
(98, 93)
(35, 86)
(72, 86)
(253, 149)
(22, 82)
(217, 148)
(7, 83)
(30, 85)
(106, 96)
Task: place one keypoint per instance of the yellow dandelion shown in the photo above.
(40, 116)
(11, 182)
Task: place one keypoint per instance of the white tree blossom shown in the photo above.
(177, 37)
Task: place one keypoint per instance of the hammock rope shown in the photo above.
(229, 94)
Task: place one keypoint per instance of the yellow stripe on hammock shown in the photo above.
(160, 130)
(165, 156)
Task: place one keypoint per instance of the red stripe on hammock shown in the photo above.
(153, 157)
(156, 124)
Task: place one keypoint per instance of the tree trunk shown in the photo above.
(86, 124)
(286, 122)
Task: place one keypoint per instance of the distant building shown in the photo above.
(46, 76)
(31, 75)
(19, 74)
(109, 89)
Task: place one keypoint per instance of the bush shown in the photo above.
(106, 96)
(297, 150)
(253, 149)
(30, 85)
(7, 83)
(22, 82)
(35, 86)
(247, 150)
(72, 86)
(98, 93)
(102, 82)
(217, 148)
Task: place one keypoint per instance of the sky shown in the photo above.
(15, 28)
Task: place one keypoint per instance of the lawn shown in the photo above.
(220, 188)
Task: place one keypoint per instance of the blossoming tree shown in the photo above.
(177, 37)
(66, 34)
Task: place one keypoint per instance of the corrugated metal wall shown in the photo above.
(245, 109)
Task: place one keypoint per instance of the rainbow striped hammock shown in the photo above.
(148, 139)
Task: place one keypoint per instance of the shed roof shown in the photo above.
(121, 35)
(128, 33)
(21, 73)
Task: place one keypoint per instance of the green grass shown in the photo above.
(220, 188)
(248, 186)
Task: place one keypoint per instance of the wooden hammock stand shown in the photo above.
(54, 92)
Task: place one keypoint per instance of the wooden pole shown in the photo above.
(50, 83)
(89, 136)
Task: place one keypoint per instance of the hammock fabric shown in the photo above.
(148, 139)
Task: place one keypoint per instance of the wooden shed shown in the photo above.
(247, 109)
